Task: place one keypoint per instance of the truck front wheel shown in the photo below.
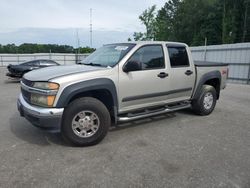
(206, 102)
(85, 122)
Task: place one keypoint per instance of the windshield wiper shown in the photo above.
(93, 64)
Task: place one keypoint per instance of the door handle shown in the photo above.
(162, 75)
(189, 72)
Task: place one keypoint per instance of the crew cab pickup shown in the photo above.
(118, 83)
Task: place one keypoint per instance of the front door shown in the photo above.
(148, 84)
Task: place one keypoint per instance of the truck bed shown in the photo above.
(205, 67)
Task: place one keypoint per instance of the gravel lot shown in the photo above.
(174, 150)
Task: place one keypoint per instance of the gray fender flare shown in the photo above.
(85, 86)
(204, 78)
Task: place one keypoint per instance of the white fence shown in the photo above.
(62, 58)
(236, 55)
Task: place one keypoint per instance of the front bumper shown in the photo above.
(46, 118)
(14, 75)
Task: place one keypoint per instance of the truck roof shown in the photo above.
(154, 42)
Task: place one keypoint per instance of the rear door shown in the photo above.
(182, 72)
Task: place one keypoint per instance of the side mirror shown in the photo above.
(132, 66)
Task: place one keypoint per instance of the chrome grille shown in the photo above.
(26, 94)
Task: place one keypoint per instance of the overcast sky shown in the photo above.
(48, 16)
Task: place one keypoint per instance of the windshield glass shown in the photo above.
(108, 55)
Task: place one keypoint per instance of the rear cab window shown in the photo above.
(178, 56)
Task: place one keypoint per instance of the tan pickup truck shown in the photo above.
(117, 83)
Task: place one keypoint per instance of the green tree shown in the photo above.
(42, 48)
(86, 50)
(165, 21)
(235, 22)
(246, 21)
(147, 18)
(196, 20)
(139, 36)
(193, 21)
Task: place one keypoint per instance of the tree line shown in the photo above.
(43, 48)
(197, 22)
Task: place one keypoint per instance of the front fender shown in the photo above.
(96, 84)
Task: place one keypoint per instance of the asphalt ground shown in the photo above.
(174, 150)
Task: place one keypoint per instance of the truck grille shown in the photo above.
(26, 94)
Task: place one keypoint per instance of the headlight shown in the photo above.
(46, 85)
(42, 100)
(46, 94)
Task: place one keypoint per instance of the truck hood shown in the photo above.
(48, 73)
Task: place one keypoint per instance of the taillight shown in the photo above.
(225, 71)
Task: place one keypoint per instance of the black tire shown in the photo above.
(85, 104)
(199, 106)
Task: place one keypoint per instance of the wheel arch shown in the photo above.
(212, 78)
(102, 89)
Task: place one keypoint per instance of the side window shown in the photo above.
(32, 63)
(26, 64)
(44, 63)
(52, 63)
(178, 56)
(150, 57)
(35, 63)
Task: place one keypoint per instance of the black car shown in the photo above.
(17, 71)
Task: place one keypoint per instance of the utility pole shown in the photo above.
(205, 50)
(90, 29)
(78, 46)
(77, 39)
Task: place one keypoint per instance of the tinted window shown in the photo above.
(35, 63)
(53, 63)
(43, 63)
(178, 56)
(47, 63)
(32, 63)
(150, 57)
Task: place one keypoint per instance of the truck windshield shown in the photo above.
(108, 55)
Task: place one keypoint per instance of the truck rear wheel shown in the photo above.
(206, 102)
(85, 122)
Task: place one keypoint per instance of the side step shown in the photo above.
(148, 113)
